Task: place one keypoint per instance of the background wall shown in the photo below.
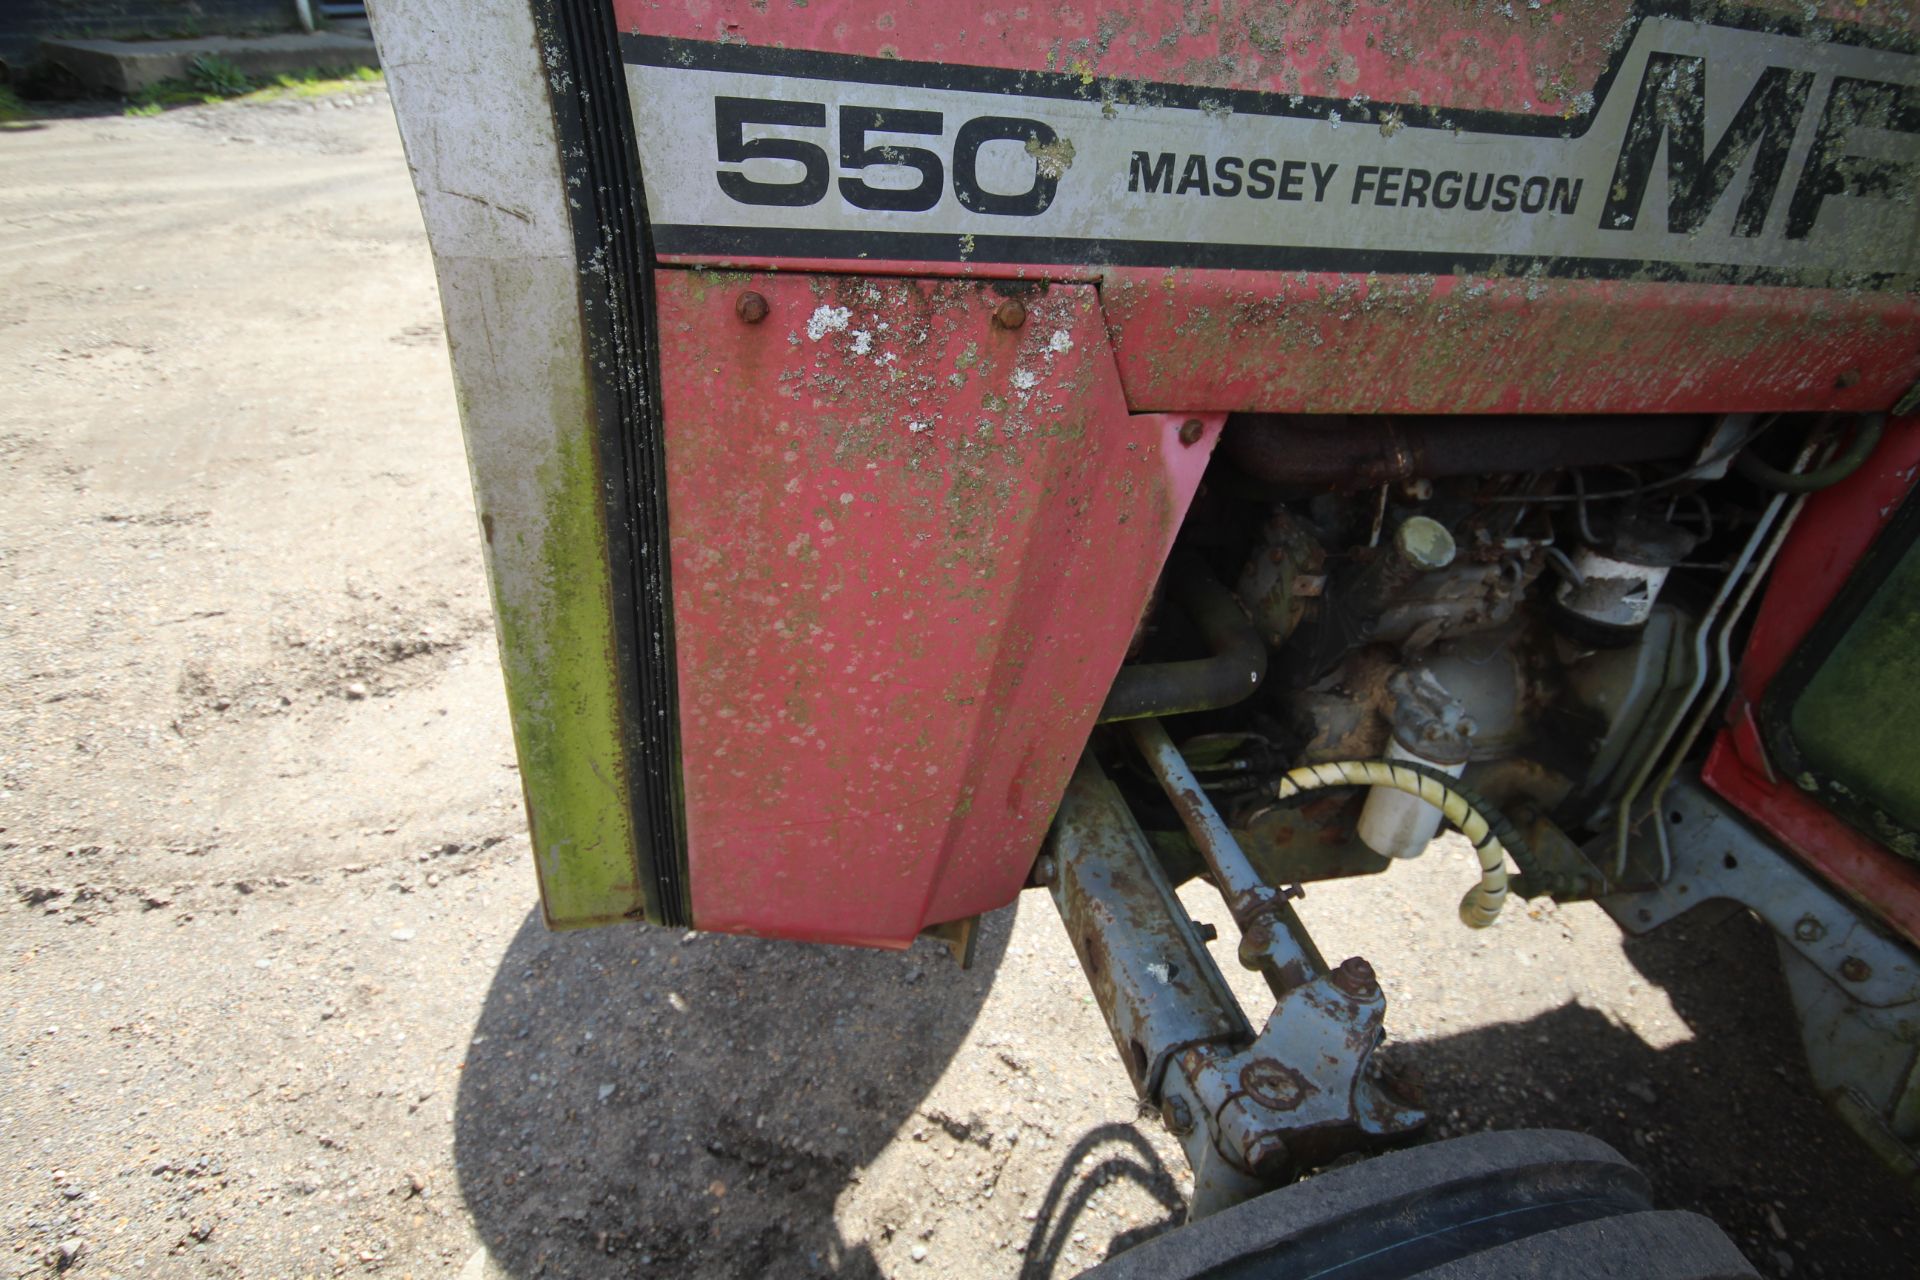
(24, 22)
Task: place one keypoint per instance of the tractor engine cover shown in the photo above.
(836, 378)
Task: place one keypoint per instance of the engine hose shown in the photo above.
(1492, 836)
(1865, 436)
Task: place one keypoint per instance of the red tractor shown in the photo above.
(926, 452)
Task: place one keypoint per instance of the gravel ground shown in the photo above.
(273, 998)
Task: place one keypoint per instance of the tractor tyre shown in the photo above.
(1492, 1206)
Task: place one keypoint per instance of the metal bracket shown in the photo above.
(1150, 973)
(1716, 855)
(1855, 990)
(960, 936)
(1251, 1111)
(1300, 1094)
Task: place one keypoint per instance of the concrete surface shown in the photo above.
(128, 66)
(275, 1002)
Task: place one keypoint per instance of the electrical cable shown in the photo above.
(1583, 497)
(1492, 836)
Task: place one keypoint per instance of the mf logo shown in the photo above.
(1843, 158)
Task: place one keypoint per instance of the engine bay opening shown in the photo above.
(1544, 610)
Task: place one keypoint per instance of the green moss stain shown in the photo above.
(557, 649)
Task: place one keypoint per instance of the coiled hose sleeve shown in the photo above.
(1866, 434)
(1492, 836)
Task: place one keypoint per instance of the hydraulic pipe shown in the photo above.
(1763, 527)
(1272, 937)
(1866, 435)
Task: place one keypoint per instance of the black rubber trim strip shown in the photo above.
(587, 87)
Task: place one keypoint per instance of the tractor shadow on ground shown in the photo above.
(1725, 1123)
(640, 1100)
(1109, 1153)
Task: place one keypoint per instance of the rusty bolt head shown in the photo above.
(1854, 969)
(1178, 1115)
(1356, 978)
(1809, 929)
(1010, 314)
(1191, 430)
(750, 307)
(1254, 941)
(1044, 869)
(1267, 1156)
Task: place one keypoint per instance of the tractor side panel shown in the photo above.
(910, 548)
(1824, 553)
(1317, 343)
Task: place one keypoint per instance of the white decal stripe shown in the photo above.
(1140, 176)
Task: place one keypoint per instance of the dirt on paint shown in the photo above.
(274, 1000)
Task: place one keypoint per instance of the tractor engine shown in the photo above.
(1525, 606)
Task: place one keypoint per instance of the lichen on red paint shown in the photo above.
(875, 569)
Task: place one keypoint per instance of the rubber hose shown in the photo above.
(1238, 664)
(1865, 436)
(1479, 821)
